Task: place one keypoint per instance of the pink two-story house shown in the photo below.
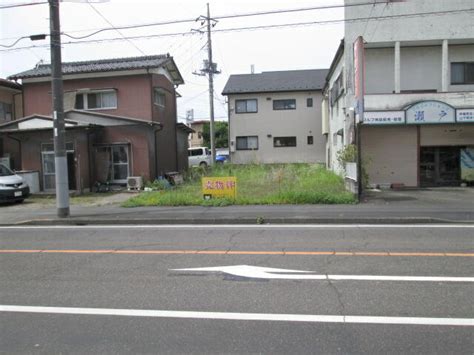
(120, 119)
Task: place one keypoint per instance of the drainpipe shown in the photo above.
(155, 131)
(14, 106)
(88, 134)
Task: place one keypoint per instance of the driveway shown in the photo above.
(448, 197)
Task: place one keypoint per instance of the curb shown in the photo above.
(235, 221)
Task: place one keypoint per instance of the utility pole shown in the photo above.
(210, 68)
(60, 157)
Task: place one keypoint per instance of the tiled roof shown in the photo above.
(9, 84)
(276, 81)
(95, 66)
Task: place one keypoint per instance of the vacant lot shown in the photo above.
(256, 185)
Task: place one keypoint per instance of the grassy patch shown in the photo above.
(256, 185)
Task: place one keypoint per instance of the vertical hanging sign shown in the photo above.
(359, 78)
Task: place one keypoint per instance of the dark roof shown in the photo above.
(335, 61)
(276, 81)
(184, 128)
(9, 84)
(103, 65)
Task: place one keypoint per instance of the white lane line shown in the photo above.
(242, 316)
(249, 226)
(258, 272)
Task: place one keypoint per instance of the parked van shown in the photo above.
(199, 156)
(13, 187)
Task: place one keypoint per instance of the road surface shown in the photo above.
(122, 289)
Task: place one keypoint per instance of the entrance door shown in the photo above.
(49, 168)
(440, 166)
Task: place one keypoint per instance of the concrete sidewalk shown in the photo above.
(454, 205)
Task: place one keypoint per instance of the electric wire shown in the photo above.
(254, 28)
(118, 31)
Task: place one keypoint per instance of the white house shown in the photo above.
(415, 59)
(275, 117)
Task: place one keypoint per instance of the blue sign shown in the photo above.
(426, 112)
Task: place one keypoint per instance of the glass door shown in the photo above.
(112, 164)
(49, 182)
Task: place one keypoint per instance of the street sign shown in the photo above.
(225, 186)
(256, 272)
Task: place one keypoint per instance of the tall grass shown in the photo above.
(256, 185)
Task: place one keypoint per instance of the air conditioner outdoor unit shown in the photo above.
(134, 183)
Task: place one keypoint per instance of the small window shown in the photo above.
(310, 140)
(247, 143)
(246, 106)
(309, 102)
(289, 104)
(462, 73)
(96, 100)
(159, 98)
(284, 142)
(5, 111)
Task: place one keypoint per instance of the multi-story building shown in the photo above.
(415, 60)
(275, 117)
(195, 138)
(120, 119)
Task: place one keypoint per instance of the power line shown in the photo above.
(262, 27)
(22, 5)
(118, 31)
(249, 14)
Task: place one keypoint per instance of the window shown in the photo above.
(246, 106)
(197, 152)
(309, 102)
(337, 89)
(112, 163)
(96, 100)
(284, 142)
(289, 104)
(5, 111)
(247, 143)
(462, 73)
(310, 140)
(159, 98)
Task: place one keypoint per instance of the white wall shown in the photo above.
(419, 28)
(420, 68)
(379, 67)
(302, 122)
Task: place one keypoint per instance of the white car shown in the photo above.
(199, 156)
(13, 187)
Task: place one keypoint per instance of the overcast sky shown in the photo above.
(307, 47)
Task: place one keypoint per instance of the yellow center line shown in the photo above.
(236, 252)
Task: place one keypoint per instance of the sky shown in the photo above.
(289, 48)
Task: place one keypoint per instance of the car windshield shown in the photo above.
(4, 171)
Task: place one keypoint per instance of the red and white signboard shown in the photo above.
(359, 77)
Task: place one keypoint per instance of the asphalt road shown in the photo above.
(116, 289)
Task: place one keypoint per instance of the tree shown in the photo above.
(221, 133)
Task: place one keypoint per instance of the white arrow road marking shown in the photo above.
(257, 272)
(312, 318)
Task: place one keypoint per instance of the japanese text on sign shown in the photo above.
(219, 187)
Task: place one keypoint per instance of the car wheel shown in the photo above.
(19, 201)
(203, 164)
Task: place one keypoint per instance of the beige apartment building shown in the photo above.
(416, 121)
(275, 117)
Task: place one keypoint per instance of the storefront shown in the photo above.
(429, 143)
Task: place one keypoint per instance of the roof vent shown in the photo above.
(252, 69)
